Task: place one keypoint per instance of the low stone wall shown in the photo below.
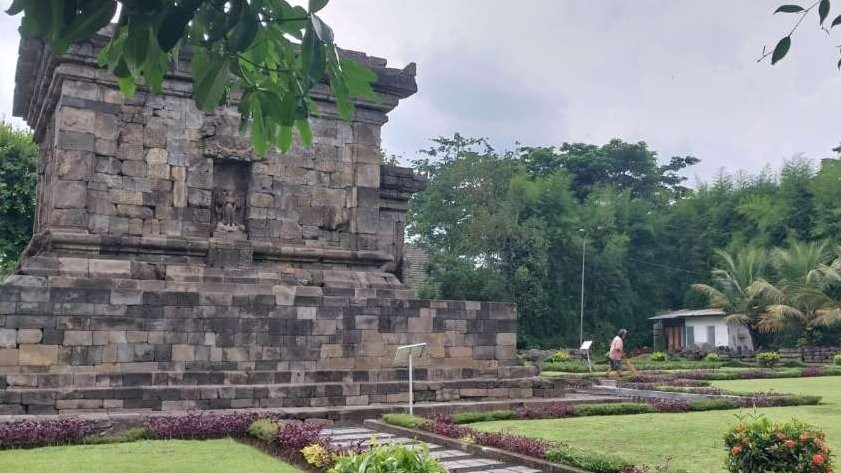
(68, 343)
(809, 354)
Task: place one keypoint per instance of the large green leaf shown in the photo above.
(836, 22)
(304, 131)
(312, 57)
(789, 9)
(175, 22)
(316, 5)
(781, 49)
(137, 44)
(258, 125)
(94, 15)
(244, 32)
(823, 11)
(209, 87)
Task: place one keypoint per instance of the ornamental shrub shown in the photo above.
(756, 445)
(264, 429)
(389, 458)
(292, 437)
(404, 420)
(768, 359)
(658, 356)
(612, 409)
(713, 404)
(487, 416)
(317, 455)
(560, 356)
(590, 461)
(836, 360)
(712, 356)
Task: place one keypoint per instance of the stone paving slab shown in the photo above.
(454, 460)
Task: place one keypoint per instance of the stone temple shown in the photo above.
(171, 268)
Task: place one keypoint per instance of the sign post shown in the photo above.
(585, 347)
(407, 353)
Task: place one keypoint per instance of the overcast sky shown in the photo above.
(681, 75)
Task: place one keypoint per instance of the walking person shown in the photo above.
(617, 352)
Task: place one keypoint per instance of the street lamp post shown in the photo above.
(583, 259)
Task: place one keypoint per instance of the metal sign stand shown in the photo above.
(407, 353)
(585, 347)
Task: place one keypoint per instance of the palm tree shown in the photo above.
(740, 288)
(808, 273)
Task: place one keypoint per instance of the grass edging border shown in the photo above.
(478, 450)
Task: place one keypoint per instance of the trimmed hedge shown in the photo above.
(611, 409)
(590, 461)
(404, 420)
(487, 416)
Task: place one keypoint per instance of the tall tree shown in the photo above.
(18, 155)
(809, 274)
(741, 289)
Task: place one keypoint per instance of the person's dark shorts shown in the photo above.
(615, 364)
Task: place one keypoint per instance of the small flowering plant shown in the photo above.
(756, 444)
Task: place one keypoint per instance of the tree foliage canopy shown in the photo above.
(18, 155)
(265, 55)
(510, 226)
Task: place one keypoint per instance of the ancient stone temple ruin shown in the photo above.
(171, 268)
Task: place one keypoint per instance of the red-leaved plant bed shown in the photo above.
(199, 426)
(37, 433)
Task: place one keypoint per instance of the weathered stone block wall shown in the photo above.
(156, 167)
(174, 269)
(96, 339)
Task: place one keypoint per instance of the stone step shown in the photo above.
(469, 464)
(147, 375)
(453, 460)
(68, 400)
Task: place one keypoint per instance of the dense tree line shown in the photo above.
(18, 155)
(511, 225)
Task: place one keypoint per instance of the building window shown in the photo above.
(690, 336)
(711, 335)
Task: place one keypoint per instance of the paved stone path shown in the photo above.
(455, 461)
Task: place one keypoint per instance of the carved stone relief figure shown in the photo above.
(230, 191)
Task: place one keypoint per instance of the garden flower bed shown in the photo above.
(567, 458)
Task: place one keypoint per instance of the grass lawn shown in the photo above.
(692, 440)
(148, 456)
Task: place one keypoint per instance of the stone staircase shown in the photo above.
(454, 460)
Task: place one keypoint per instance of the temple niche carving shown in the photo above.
(230, 190)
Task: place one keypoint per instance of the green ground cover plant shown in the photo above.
(264, 429)
(690, 441)
(147, 456)
(389, 458)
(404, 420)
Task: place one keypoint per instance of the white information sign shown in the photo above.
(585, 347)
(407, 353)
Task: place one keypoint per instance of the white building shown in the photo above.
(702, 328)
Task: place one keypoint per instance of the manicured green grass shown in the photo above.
(693, 441)
(829, 387)
(148, 456)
